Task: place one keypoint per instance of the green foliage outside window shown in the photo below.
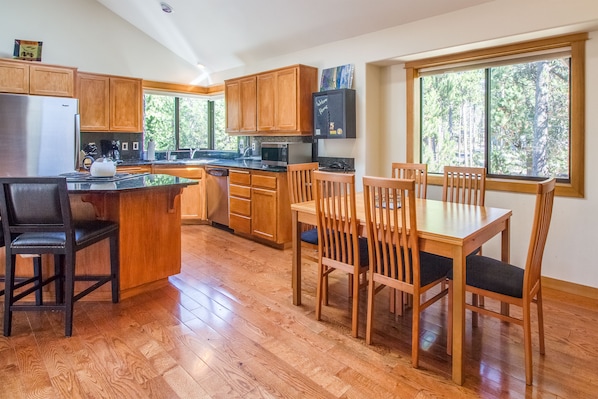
(512, 119)
(180, 123)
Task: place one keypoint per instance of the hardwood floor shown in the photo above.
(226, 328)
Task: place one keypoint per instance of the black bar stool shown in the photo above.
(37, 219)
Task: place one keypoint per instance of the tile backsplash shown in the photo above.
(128, 149)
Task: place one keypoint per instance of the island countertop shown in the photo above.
(84, 183)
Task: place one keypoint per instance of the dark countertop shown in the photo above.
(228, 163)
(143, 181)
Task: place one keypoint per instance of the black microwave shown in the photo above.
(283, 154)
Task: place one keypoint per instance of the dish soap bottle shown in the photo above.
(151, 150)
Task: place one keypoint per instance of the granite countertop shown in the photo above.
(125, 182)
(248, 163)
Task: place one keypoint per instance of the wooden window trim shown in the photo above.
(575, 187)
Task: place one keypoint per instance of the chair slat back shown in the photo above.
(541, 224)
(301, 181)
(336, 217)
(464, 185)
(391, 227)
(415, 171)
(35, 204)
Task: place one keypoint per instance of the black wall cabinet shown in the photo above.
(334, 114)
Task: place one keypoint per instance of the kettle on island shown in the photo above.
(103, 167)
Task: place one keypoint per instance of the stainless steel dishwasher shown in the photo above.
(217, 195)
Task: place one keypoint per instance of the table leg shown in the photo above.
(296, 271)
(505, 256)
(458, 313)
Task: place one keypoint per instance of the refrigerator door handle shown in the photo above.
(77, 141)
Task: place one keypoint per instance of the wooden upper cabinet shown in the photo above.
(288, 104)
(266, 98)
(240, 97)
(94, 101)
(125, 104)
(284, 100)
(109, 103)
(23, 77)
(232, 93)
(283, 104)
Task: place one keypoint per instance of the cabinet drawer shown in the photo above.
(239, 191)
(238, 177)
(264, 181)
(240, 224)
(240, 206)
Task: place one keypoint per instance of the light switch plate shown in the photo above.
(124, 146)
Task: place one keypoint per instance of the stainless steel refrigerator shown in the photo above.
(39, 136)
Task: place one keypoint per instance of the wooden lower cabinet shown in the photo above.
(239, 195)
(260, 206)
(134, 169)
(193, 199)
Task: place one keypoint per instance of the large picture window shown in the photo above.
(179, 122)
(515, 110)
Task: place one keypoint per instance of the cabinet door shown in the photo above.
(14, 77)
(51, 81)
(232, 95)
(266, 100)
(286, 99)
(94, 101)
(264, 209)
(125, 104)
(193, 198)
(248, 104)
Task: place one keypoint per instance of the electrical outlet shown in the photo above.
(124, 146)
(135, 145)
(253, 146)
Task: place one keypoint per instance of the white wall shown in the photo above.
(84, 34)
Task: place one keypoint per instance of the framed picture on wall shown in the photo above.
(28, 50)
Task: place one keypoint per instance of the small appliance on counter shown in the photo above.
(283, 154)
(110, 149)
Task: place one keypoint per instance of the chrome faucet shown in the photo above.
(192, 152)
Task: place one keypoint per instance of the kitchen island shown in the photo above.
(147, 208)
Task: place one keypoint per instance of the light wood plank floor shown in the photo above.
(226, 328)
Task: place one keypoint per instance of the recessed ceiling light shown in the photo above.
(166, 7)
(200, 65)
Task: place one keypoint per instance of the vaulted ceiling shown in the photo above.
(227, 34)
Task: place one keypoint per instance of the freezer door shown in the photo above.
(39, 135)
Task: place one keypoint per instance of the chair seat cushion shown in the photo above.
(86, 231)
(310, 236)
(364, 257)
(494, 275)
(433, 267)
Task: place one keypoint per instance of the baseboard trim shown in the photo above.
(571, 288)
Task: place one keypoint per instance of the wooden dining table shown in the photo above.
(447, 229)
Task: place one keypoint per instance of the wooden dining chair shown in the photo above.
(393, 247)
(415, 171)
(464, 185)
(339, 244)
(513, 285)
(418, 172)
(301, 189)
